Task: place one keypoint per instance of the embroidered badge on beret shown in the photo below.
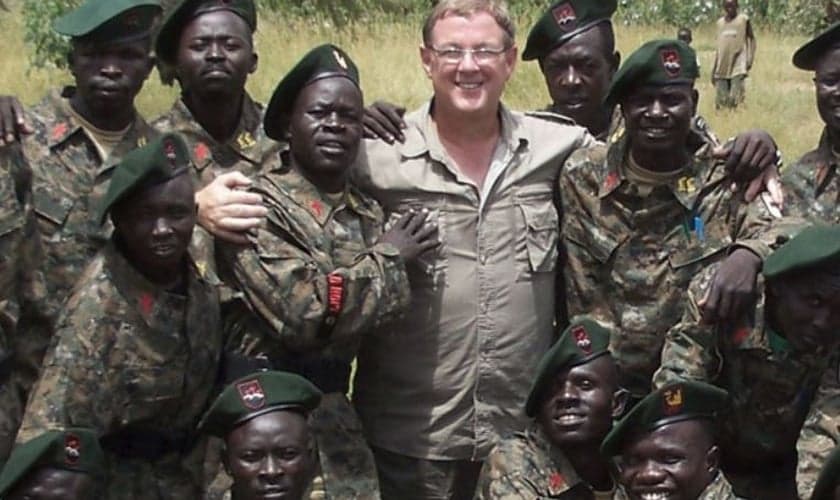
(340, 59)
(251, 393)
(565, 16)
(673, 400)
(582, 339)
(671, 62)
(169, 150)
(72, 449)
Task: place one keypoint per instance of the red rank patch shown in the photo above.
(251, 394)
(317, 207)
(201, 151)
(555, 482)
(335, 293)
(59, 130)
(611, 181)
(673, 400)
(147, 303)
(741, 335)
(582, 339)
(72, 449)
(565, 16)
(671, 62)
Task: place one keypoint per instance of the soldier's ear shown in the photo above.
(615, 63)
(254, 62)
(619, 402)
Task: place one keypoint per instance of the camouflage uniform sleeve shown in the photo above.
(73, 387)
(501, 478)
(690, 348)
(306, 306)
(753, 228)
(820, 433)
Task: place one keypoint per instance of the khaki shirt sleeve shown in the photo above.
(306, 306)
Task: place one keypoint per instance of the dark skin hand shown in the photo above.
(384, 120)
(751, 157)
(733, 289)
(413, 235)
(13, 124)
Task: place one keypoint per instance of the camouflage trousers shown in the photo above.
(11, 412)
(820, 434)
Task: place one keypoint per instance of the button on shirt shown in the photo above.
(447, 380)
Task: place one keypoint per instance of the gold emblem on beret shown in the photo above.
(673, 399)
(340, 59)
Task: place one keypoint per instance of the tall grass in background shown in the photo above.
(384, 43)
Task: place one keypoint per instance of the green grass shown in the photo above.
(780, 98)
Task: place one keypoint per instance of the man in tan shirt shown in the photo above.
(735, 54)
(436, 390)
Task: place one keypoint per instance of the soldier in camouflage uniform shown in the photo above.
(263, 419)
(813, 186)
(137, 346)
(771, 362)
(573, 401)
(321, 273)
(665, 447)
(643, 215)
(828, 483)
(57, 465)
(78, 134)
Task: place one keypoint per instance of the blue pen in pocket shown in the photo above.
(699, 229)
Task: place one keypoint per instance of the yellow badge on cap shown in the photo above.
(673, 399)
(686, 185)
(245, 140)
(340, 59)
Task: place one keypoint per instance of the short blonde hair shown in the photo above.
(496, 8)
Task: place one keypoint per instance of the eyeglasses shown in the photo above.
(454, 55)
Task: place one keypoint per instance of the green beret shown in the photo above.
(321, 62)
(807, 56)
(675, 402)
(72, 449)
(812, 247)
(109, 20)
(160, 160)
(659, 62)
(829, 478)
(562, 21)
(255, 395)
(583, 341)
(166, 44)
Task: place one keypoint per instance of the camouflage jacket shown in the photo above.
(68, 180)
(526, 466)
(630, 258)
(719, 489)
(813, 184)
(771, 385)
(131, 360)
(315, 278)
(248, 151)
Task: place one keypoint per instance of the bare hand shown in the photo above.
(748, 154)
(384, 120)
(227, 210)
(13, 124)
(412, 235)
(733, 288)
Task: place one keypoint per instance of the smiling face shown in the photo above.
(325, 128)
(108, 76)
(805, 306)
(468, 86)
(578, 75)
(215, 55)
(658, 118)
(581, 403)
(48, 483)
(270, 457)
(674, 462)
(154, 225)
(827, 83)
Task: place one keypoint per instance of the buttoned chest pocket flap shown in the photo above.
(52, 208)
(540, 228)
(690, 255)
(150, 392)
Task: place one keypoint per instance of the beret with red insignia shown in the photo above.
(659, 62)
(583, 341)
(562, 21)
(257, 394)
(75, 450)
(166, 43)
(324, 61)
(807, 56)
(155, 163)
(675, 402)
(109, 20)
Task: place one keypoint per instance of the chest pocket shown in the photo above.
(151, 393)
(539, 229)
(688, 259)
